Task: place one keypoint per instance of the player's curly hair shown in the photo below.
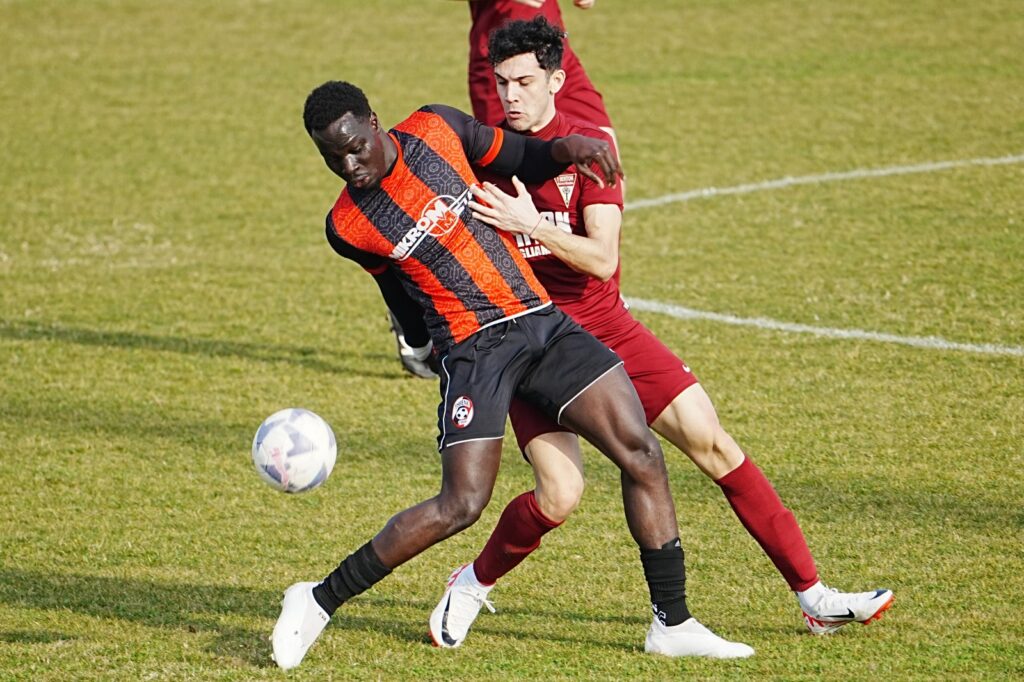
(538, 36)
(332, 100)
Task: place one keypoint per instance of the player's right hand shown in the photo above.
(583, 151)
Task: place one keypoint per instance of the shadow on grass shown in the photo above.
(118, 421)
(34, 637)
(194, 608)
(187, 607)
(527, 610)
(908, 509)
(303, 356)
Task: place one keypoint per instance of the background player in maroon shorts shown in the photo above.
(403, 211)
(568, 229)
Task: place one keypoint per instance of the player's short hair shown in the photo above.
(332, 100)
(538, 36)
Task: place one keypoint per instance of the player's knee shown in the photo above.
(639, 441)
(701, 440)
(460, 511)
(713, 451)
(727, 453)
(645, 460)
(557, 501)
(461, 518)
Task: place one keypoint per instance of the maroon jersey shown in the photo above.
(596, 305)
(463, 274)
(577, 99)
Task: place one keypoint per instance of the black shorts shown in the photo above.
(543, 357)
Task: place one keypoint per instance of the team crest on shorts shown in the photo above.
(462, 411)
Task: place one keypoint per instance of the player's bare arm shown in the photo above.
(596, 254)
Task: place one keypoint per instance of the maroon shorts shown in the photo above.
(656, 372)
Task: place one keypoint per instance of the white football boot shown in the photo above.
(419, 362)
(690, 638)
(300, 623)
(458, 608)
(826, 610)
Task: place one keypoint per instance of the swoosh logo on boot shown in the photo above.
(445, 637)
(849, 615)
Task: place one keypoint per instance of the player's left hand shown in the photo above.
(504, 211)
(583, 151)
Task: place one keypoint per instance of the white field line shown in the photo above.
(931, 342)
(819, 179)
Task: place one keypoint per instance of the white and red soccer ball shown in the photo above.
(294, 450)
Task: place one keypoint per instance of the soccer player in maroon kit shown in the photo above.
(578, 98)
(404, 214)
(568, 230)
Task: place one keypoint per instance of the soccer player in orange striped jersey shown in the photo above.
(404, 212)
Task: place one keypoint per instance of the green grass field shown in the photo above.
(165, 284)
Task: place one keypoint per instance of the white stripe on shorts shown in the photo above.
(580, 392)
(470, 440)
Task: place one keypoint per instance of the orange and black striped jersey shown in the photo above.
(464, 274)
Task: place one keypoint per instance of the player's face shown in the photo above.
(527, 91)
(354, 150)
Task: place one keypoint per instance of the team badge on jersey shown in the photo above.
(462, 411)
(566, 183)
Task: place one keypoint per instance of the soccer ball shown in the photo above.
(294, 450)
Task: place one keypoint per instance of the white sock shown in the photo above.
(471, 577)
(812, 595)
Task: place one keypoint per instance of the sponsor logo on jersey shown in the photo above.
(566, 182)
(438, 218)
(534, 249)
(462, 411)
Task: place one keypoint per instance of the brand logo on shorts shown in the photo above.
(462, 411)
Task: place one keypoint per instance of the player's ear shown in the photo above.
(556, 80)
(374, 123)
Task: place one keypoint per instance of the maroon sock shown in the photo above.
(517, 534)
(773, 526)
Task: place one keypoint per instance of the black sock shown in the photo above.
(360, 571)
(666, 579)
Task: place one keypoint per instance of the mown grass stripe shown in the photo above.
(788, 181)
(931, 342)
